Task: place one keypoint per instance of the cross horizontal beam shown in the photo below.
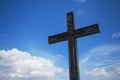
(92, 29)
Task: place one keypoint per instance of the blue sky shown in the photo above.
(26, 24)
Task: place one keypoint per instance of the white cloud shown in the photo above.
(82, 1)
(59, 55)
(116, 35)
(118, 69)
(18, 64)
(103, 50)
(102, 61)
(97, 73)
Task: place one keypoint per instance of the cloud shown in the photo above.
(116, 35)
(117, 69)
(15, 64)
(59, 55)
(103, 50)
(82, 1)
(102, 61)
(97, 73)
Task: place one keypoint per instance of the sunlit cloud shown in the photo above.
(15, 64)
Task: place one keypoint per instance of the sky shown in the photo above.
(26, 24)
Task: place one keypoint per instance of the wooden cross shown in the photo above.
(71, 35)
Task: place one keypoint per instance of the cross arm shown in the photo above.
(89, 30)
(58, 38)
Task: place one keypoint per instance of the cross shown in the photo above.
(71, 35)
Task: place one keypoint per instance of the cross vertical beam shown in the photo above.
(73, 52)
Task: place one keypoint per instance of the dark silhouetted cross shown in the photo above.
(71, 35)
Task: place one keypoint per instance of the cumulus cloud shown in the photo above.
(15, 64)
(102, 61)
(116, 35)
